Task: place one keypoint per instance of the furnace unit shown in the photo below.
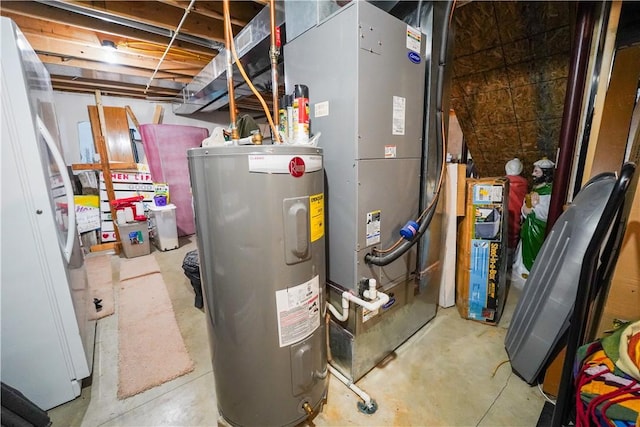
(367, 71)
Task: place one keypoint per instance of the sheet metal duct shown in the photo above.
(208, 90)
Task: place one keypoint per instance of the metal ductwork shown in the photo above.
(208, 90)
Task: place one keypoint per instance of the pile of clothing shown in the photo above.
(607, 375)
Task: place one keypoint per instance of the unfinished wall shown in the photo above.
(71, 108)
(511, 62)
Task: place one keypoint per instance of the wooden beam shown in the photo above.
(64, 48)
(133, 117)
(205, 9)
(104, 160)
(48, 13)
(181, 77)
(92, 90)
(121, 166)
(86, 166)
(160, 15)
(104, 85)
(157, 115)
(105, 247)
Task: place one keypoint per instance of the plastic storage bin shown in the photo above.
(135, 239)
(164, 231)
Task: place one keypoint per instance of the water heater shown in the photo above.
(260, 222)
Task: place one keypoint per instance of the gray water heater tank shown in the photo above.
(260, 228)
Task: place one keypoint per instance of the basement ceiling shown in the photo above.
(510, 68)
(69, 37)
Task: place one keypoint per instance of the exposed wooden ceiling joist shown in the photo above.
(70, 33)
(84, 28)
(89, 84)
(160, 14)
(73, 50)
(204, 10)
(114, 68)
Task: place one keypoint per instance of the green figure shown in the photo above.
(535, 210)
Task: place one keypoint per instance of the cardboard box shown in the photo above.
(125, 184)
(134, 237)
(482, 251)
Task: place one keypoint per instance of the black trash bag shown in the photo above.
(18, 410)
(191, 267)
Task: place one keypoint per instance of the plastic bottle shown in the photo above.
(301, 114)
(282, 115)
(289, 117)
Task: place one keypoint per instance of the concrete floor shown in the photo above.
(450, 373)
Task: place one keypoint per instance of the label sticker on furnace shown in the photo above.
(373, 228)
(399, 111)
(414, 37)
(298, 311)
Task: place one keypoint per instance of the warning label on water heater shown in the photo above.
(316, 216)
(298, 311)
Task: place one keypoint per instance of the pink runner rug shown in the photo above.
(100, 283)
(151, 348)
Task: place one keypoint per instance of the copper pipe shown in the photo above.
(228, 35)
(265, 107)
(274, 52)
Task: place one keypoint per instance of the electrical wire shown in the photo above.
(498, 367)
(227, 21)
(546, 397)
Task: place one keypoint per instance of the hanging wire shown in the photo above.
(175, 34)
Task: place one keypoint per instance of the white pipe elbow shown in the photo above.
(369, 305)
(373, 289)
(346, 381)
(377, 299)
(340, 316)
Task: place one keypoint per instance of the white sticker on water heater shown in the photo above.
(279, 163)
(298, 311)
